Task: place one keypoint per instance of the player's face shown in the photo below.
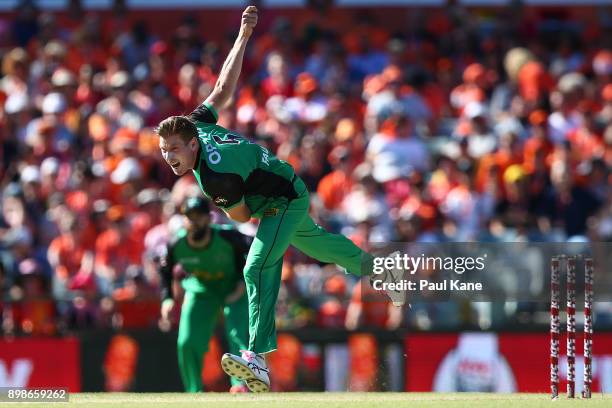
(197, 221)
(178, 154)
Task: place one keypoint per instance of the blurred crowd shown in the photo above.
(459, 127)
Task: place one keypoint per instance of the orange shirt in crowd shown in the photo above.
(35, 316)
(435, 98)
(333, 188)
(114, 250)
(501, 160)
(532, 147)
(77, 57)
(69, 252)
(374, 305)
(586, 144)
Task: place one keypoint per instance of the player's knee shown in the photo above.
(259, 263)
(254, 260)
(188, 348)
(253, 269)
(249, 272)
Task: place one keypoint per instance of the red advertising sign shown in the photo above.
(490, 362)
(40, 362)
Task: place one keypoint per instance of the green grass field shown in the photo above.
(327, 400)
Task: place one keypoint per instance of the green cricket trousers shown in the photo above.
(289, 225)
(198, 320)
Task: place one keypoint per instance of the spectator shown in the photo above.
(70, 254)
(115, 250)
(308, 105)
(366, 202)
(35, 311)
(15, 67)
(396, 99)
(395, 151)
(475, 127)
(571, 205)
(369, 309)
(278, 81)
(334, 187)
(49, 135)
(117, 107)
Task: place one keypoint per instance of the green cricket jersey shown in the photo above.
(231, 170)
(216, 268)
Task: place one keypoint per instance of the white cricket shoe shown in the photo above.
(250, 367)
(393, 275)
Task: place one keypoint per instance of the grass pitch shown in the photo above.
(326, 400)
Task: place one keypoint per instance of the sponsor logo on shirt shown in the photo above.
(220, 201)
(208, 275)
(271, 212)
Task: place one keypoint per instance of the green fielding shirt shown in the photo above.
(216, 268)
(231, 170)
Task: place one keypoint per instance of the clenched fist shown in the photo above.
(249, 21)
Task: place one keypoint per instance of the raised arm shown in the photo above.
(228, 77)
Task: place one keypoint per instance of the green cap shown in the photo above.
(198, 204)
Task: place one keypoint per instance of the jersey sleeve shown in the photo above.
(204, 113)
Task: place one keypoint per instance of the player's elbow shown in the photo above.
(220, 95)
(240, 213)
(216, 99)
(240, 218)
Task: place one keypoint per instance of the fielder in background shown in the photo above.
(209, 258)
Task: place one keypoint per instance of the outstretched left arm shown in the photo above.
(230, 72)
